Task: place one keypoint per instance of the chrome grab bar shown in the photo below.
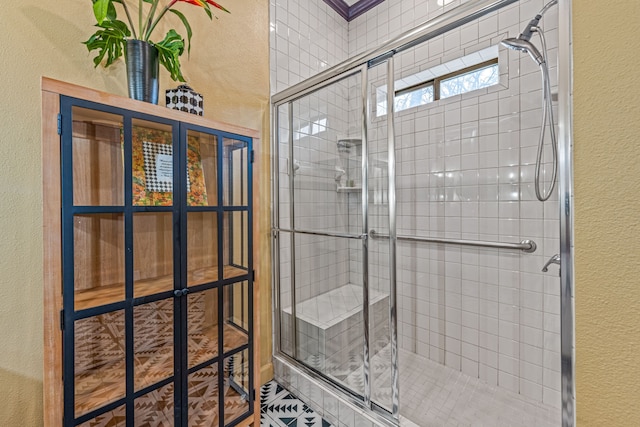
(321, 233)
(528, 246)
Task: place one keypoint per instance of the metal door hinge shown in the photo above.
(59, 124)
(62, 320)
(253, 395)
(253, 156)
(253, 275)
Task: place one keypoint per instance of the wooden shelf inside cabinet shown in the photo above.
(113, 293)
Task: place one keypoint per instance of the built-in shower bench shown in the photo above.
(330, 329)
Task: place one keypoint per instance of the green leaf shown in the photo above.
(208, 10)
(111, 12)
(103, 9)
(109, 41)
(186, 25)
(169, 51)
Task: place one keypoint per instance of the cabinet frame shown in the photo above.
(53, 96)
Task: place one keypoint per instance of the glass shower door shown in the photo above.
(381, 249)
(332, 188)
(324, 310)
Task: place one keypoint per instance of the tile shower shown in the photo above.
(478, 328)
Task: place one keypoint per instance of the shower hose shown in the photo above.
(547, 113)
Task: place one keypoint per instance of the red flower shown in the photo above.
(202, 3)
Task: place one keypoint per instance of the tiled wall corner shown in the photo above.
(307, 37)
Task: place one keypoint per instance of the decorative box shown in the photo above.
(184, 98)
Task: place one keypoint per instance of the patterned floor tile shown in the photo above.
(309, 419)
(286, 407)
(279, 408)
(270, 391)
(266, 421)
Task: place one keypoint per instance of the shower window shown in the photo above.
(471, 72)
(474, 79)
(413, 96)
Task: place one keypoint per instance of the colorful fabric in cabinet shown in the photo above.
(197, 192)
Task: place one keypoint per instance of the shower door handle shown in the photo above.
(292, 166)
(553, 260)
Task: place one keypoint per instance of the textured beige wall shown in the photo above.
(607, 211)
(229, 65)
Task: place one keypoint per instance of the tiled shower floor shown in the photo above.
(446, 397)
(432, 396)
(279, 408)
(435, 395)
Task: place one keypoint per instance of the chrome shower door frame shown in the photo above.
(565, 190)
(393, 240)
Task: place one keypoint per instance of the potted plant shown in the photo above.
(142, 56)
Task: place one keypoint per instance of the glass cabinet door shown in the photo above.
(95, 235)
(157, 290)
(119, 288)
(217, 256)
(237, 311)
(203, 273)
(154, 197)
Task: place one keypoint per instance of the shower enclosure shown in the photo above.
(408, 240)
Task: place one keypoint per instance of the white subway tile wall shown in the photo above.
(465, 169)
(307, 37)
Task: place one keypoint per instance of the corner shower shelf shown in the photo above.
(349, 189)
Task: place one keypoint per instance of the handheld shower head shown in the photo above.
(524, 46)
(522, 43)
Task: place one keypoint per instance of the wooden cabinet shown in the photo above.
(149, 294)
